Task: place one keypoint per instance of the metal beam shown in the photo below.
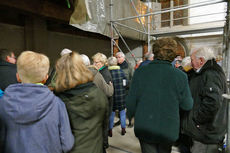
(124, 42)
(180, 31)
(123, 25)
(138, 15)
(175, 9)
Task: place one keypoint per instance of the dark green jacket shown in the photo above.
(87, 107)
(157, 92)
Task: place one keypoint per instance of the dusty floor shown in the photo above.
(127, 143)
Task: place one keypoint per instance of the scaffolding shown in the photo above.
(225, 27)
(154, 34)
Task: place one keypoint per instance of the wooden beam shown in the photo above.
(37, 7)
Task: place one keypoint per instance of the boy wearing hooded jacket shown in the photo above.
(32, 118)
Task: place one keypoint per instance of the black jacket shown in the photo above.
(207, 121)
(106, 74)
(8, 74)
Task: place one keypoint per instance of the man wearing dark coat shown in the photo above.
(206, 123)
(8, 68)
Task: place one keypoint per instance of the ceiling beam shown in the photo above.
(43, 8)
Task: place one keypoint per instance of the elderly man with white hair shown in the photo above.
(206, 123)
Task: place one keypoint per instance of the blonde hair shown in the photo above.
(100, 57)
(71, 71)
(32, 67)
(112, 61)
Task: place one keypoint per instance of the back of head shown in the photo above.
(149, 56)
(71, 71)
(112, 61)
(32, 67)
(4, 53)
(85, 59)
(205, 52)
(186, 63)
(165, 49)
(120, 54)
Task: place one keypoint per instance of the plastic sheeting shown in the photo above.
(95, 16)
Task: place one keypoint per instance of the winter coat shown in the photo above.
(119, 88)
(146, 62)
(100, 82)
(108, 78)
(34, 121)
(87, 107)
(207, 121)
(157, 92)
(128, 70)
(106, 74)
(8, 74)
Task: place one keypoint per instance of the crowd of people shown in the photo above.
(173, 101)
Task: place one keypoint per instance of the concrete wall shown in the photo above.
(35, 36)
(216, 42)
(20, 38)
(13, 38)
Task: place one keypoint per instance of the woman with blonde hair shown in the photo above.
(86, 104)
(101, 63)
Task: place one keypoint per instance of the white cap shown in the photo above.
(65, 51)
(85, 59)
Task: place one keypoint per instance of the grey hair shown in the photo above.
(148, 55)
(121, 54)
(186, 61)
(85, 59)
(206, 52)
(112, 61)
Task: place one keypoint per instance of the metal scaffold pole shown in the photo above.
(149, 27)
(227, 72)
(111, 25)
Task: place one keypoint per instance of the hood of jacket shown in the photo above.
(93, 70)
(81, 99)
(26, 103)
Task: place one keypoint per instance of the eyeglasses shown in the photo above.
(96, 62)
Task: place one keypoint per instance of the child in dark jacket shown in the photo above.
(33, 119)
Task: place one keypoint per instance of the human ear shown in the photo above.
(44, 80)
(18, 78)
(202, 61)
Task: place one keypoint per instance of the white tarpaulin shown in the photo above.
(95, 16)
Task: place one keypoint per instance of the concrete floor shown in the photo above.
(127, 143)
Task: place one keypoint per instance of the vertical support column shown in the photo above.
(227, 66)
(171, 13)
(144, 49)
(149, 27)
(35, 34)
(111, 27)
(115, 48)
